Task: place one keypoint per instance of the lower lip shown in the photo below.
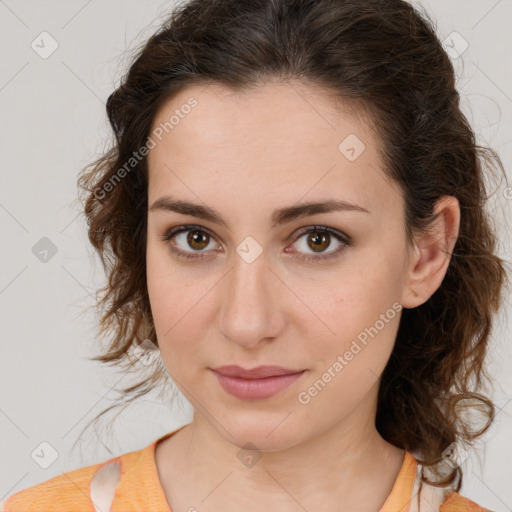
(256, 389)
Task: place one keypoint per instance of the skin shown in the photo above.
(245, 154)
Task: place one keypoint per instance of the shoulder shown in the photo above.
(440, 499)
(454, 502)
(71, 488)
(64, 492)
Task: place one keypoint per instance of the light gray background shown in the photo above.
(54, 124)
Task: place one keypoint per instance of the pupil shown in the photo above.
(194, 238)
(318, 240)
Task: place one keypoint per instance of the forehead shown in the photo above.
(288, 113)
(279, 138)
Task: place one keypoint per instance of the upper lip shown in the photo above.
(259, 372)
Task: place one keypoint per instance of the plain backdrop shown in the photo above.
(53, 124)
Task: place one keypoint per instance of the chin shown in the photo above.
(262, 431)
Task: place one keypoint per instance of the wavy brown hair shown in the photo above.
(383, 58)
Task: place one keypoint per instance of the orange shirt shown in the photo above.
(138, 489)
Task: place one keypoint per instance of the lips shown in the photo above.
(259, 372)
(257, 383)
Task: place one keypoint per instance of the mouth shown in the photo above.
(259, 372)
(255, 384)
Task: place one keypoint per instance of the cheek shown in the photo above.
(179, 303)
(168, 287)
(362, 312)
(158, 280)
(166, 292)
(356, 300)
(363, 333)
(349, 365)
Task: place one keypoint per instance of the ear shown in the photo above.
(431, 254)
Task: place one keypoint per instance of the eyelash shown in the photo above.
(346, 241)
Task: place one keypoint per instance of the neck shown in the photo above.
(334, 468)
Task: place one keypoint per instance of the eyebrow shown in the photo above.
(279, 216)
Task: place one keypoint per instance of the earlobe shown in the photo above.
(432, 254)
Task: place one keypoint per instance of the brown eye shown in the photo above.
(317, 239)
(191, 242)
(318, 242)
(185, 241)
(196, 239)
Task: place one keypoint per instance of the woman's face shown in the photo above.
(255, 290)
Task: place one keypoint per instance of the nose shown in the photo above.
(250, 313)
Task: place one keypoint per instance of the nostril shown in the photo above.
(103, 485)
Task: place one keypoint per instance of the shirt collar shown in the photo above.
(146, 478)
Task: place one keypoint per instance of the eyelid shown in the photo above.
(338, 235)
(183, 228)
(317, 227)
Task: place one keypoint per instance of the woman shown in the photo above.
(293, 214)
